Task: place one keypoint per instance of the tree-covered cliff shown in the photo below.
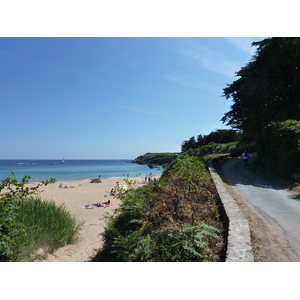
(155, 159)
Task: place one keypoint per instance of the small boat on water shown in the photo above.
(51, 163)
(63, 161)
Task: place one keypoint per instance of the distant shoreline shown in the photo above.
(72, 169)
(138, 178)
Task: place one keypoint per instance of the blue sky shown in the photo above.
(113, 97)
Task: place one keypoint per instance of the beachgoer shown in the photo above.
(106, 203)
(88, 206)
(60, 186)
(103, 204)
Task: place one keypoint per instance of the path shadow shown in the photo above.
(237, 174)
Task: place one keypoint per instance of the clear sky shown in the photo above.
(103, 97)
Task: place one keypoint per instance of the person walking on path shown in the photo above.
(246, 157)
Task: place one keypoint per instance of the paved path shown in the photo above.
(272, 202)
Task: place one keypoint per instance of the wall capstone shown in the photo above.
(239, 248)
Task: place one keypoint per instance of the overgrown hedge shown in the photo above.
(278, 148)
(213, 148)
(175, 219)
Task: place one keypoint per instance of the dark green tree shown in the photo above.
(268, 87)
(222, 136)
(188, 145)
(219, 136)
(278, 148)
(200, 140)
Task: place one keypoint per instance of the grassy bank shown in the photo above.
(28, 223)
(175, 219)
(48, 226)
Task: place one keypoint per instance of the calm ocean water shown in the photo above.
(73, 169)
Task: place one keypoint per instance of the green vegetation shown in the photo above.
(220, 136)
(266, 105)
(48, 226)
(267, 88)
(278, 148)
(160, 222)
(155, 158)
(214, 148)
(174, 219)
(27, 223)
(178, 218)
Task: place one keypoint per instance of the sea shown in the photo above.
(74, 169)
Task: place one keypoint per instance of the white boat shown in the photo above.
(63, 161)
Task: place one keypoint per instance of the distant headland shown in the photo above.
(155, 159)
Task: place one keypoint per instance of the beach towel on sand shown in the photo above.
(87, 206)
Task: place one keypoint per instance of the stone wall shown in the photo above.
(239, 248)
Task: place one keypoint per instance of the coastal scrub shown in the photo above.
(174, 219)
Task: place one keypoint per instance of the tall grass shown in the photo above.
(49, 226)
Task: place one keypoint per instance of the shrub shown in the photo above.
(27, 223)
(186, 243)
(12, 232)
(186, 166)
(278, 148)
(176, 219)
(213, 148)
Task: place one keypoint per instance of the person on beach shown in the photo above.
(113, 192)
(88, 206)
(103, 204)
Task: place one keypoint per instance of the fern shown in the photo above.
(186, 243)
(176, 219)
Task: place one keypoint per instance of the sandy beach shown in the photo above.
(74, 195)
